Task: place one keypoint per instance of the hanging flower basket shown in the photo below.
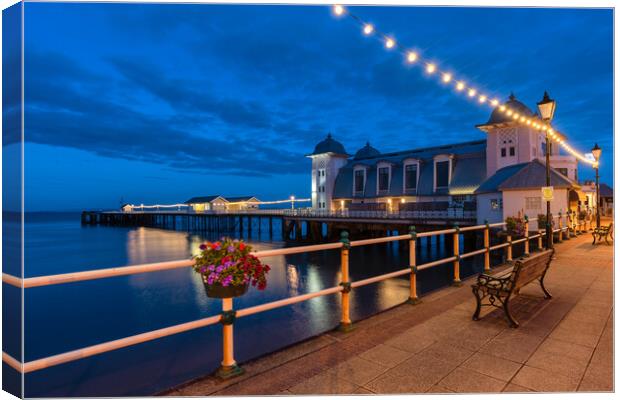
(228, 269)
(515, 228)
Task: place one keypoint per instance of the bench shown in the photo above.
(603, 233)
(500, 287)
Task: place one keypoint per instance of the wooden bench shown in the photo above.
(500, 287)
(603, 233)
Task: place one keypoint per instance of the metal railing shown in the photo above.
(344, 245)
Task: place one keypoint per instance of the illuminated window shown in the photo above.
(497, 204)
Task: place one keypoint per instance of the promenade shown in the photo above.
(563, 345)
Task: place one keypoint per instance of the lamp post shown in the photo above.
(596, 152)
(546, 108)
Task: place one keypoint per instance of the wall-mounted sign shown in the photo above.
(547, 193)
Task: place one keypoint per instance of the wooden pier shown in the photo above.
(300, 225)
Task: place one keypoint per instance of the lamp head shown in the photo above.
(596, 152)
(546, 107)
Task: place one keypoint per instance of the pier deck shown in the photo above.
(564, 344)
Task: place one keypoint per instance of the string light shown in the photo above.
(431, 68)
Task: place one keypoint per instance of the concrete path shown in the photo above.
(564, 344)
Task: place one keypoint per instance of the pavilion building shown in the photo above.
(498, 177)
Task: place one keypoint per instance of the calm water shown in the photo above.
(70, 316)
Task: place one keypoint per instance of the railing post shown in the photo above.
(527, 237)
(345, 321)
(561, 232)
(540, 240)
(487, 253)
(509, 248)
(413, 293)
(229, 367)
(457, 261)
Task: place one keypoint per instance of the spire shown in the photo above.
(512, 96)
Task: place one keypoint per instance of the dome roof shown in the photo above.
(329, 145)
(366, 152)
(498, 117)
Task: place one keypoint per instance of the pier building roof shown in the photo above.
(468, 171)
(499, 117)
(203, 199)
(530, 175)
(329, 145)
(366, 152)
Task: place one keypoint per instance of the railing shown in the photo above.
(448, 214)
(229, 314)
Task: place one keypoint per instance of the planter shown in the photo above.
(217, 291)
(513, 235)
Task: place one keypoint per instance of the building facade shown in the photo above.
(498, 177)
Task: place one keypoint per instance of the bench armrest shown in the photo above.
(492, 281)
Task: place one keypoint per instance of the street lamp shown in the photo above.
(292, 202)
(596, 152)
(546, 108)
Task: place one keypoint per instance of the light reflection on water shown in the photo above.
(66, 317)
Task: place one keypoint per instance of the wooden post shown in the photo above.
(413, 293)
(527, 237)
(345, 321)
(457, 262)
(509, 248)
(487, 253)
(229, 367)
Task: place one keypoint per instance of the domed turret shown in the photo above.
(329, 145)
(366, 152)
(498, 117)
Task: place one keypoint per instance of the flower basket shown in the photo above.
(228, 269)
(219, 291)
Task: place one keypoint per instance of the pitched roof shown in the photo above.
(605, 190)
(528, 175)
(534, 175)
(241, 198)
(203, 199)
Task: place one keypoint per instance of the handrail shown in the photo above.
(343, 288)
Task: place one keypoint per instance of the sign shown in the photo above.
(547, 193)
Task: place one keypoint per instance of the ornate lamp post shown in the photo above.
(292, 202)
(596, 152)
(546, 108)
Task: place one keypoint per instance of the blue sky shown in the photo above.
(159, 103)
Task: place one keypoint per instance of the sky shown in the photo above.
(157, 103)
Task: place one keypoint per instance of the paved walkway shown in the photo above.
(563, 344)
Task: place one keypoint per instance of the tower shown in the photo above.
(328, 157)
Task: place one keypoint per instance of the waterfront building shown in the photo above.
(499, 176)
(606, 194)
(221, 203)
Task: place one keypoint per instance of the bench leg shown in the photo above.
(476, 315)
(593, 238)
(544, 289)
(511, 321)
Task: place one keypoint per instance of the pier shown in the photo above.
(299, 225)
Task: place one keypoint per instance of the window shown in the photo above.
(384, 179)
(512, 151)
(503, 152)
(411, 176)
(442, 174)
(359, 180)
(533, 203)
(497, 204)
(563, 171)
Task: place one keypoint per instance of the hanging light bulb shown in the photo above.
(471, 92)
(389, 43)
(494, 102)
(446, 77)
(430, 68)
(338, 10)
(460, 86)
(368, 29)
(412, 56)
(482, 98)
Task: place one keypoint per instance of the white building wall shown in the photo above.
(485, 210)
(325, 169)
(515, 202)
